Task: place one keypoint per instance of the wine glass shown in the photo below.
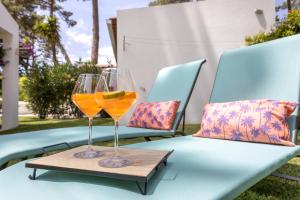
(83, 97)
(116, 93)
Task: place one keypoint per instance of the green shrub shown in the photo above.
(63, 79)
(22, 93)
(290, 25)
(49, 89)
(39, 90)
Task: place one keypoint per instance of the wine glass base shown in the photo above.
(115, 162)
(88, 154)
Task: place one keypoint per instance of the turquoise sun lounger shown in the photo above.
(199, 168)
(172, 83)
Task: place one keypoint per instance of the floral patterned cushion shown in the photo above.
(261, 121)
(154, 115)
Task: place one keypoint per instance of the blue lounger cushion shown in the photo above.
(199, 168)
(31, 143)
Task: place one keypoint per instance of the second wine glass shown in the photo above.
(116, 93)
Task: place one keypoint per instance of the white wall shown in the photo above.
(10, 34)
(161, 36)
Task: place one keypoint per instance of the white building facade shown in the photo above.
(155, 37)
(9, 33)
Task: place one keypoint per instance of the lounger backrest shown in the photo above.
(176, 83)
(269, 70)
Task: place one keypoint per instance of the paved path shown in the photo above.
(23, 110)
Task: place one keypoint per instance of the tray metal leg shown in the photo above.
(33, 176)
(163, 163)
(143, 189)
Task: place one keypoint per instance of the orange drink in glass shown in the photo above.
(86, 104)
(117, 103)
(83, 97)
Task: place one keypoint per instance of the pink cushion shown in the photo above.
(154, 115)
(261, 121)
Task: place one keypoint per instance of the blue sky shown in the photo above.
(77, 40)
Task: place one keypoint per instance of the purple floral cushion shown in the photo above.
(261, 121)
(154, 115)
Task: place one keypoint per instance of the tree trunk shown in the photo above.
(33, 45)
(53, 45)
(289, 5)
(54, 57)
(95, 43)
(64, 52)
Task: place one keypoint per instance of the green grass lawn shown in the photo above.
(34, 124)
(270, 188)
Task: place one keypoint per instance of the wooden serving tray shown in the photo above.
(145, 164)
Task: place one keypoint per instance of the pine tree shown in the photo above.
(25, 13)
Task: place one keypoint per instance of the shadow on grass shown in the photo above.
(275, 188)
(292, 168)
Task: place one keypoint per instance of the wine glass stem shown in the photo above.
(90, 141)
(116, 137)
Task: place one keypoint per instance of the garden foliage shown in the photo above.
(290, 25)
(49, 89)
(165, 2)
(22, 92)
